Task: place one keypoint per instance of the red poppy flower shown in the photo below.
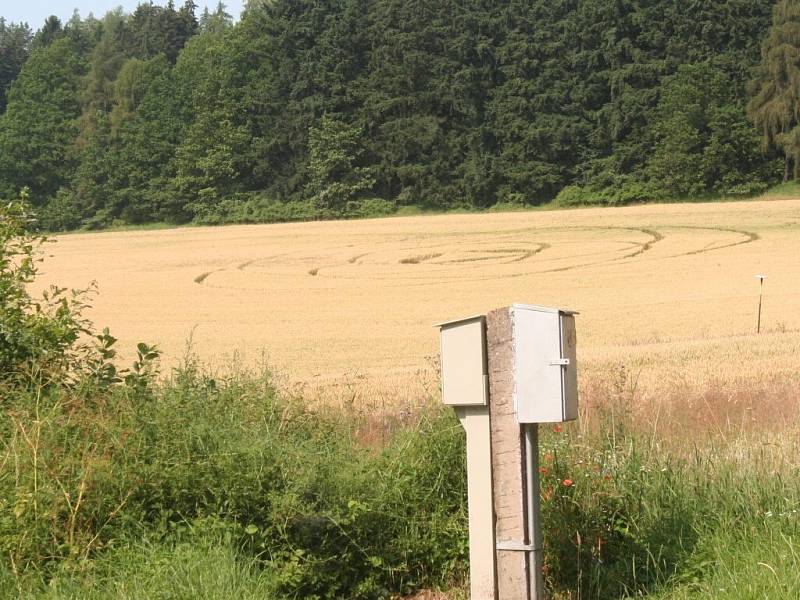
(567, 482)
(544, 470)
(557, 428)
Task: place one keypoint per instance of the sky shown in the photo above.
(36, 11)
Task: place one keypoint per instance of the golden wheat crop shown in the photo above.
(668, 291)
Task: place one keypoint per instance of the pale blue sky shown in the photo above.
(36, 11)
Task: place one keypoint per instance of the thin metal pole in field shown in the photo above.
(761, 279)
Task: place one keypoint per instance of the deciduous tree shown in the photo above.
(775, 105)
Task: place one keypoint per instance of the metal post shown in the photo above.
(761, 279)
(760, 295)
(535, 558)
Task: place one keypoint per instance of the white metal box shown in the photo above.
(463, 362)
(545, 368)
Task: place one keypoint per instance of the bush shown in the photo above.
(745, 190)
(369, 207)
(323, 516)
(624, 191)
(259, 209)
(61, 213)
(574, 195)
(36, 334)
(290, 505)
(627, 515)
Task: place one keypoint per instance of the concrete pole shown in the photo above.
(475, 420)
(508, 462)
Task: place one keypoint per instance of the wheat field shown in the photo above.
(665, 292)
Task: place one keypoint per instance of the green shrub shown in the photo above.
(337, 182)
(325, 517)
(623, 191)
(745, 190)
(573, 195)
(61, 213)
(260, 209)
(36, 334)
(369, 207)
(246, 208)
(507, 207)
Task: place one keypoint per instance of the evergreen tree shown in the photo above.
(294, 74)
(49, 33)
(423, 93)
(84, 32)
(161, 30)
(216, 22)
(146, 128)
(15, 40)
(87, 200)
(534, 111)
(775, 106)
(187, 22)
(703, 141)
(106, 60)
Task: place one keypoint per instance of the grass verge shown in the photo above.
(216, 487)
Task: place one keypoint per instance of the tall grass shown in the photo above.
(291, 491)
(635, 507)
(209, 486)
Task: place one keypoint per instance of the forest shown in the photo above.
(307, 109)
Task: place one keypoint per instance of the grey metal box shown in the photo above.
(463, 362)
(545, 367)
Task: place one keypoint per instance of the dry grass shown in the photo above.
(666, 290)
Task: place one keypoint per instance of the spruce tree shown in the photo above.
(15, 39)
(49, 33)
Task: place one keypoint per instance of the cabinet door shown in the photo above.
(538, 391)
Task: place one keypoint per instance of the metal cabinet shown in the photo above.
(545, 365)
(463, 355)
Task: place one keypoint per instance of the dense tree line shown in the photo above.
(309, 108)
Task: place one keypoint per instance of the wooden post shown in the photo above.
(508, 460)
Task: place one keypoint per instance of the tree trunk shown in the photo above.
(786, 169)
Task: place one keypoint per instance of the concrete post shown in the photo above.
(508, 460)
(475, 420)
(504, 374)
